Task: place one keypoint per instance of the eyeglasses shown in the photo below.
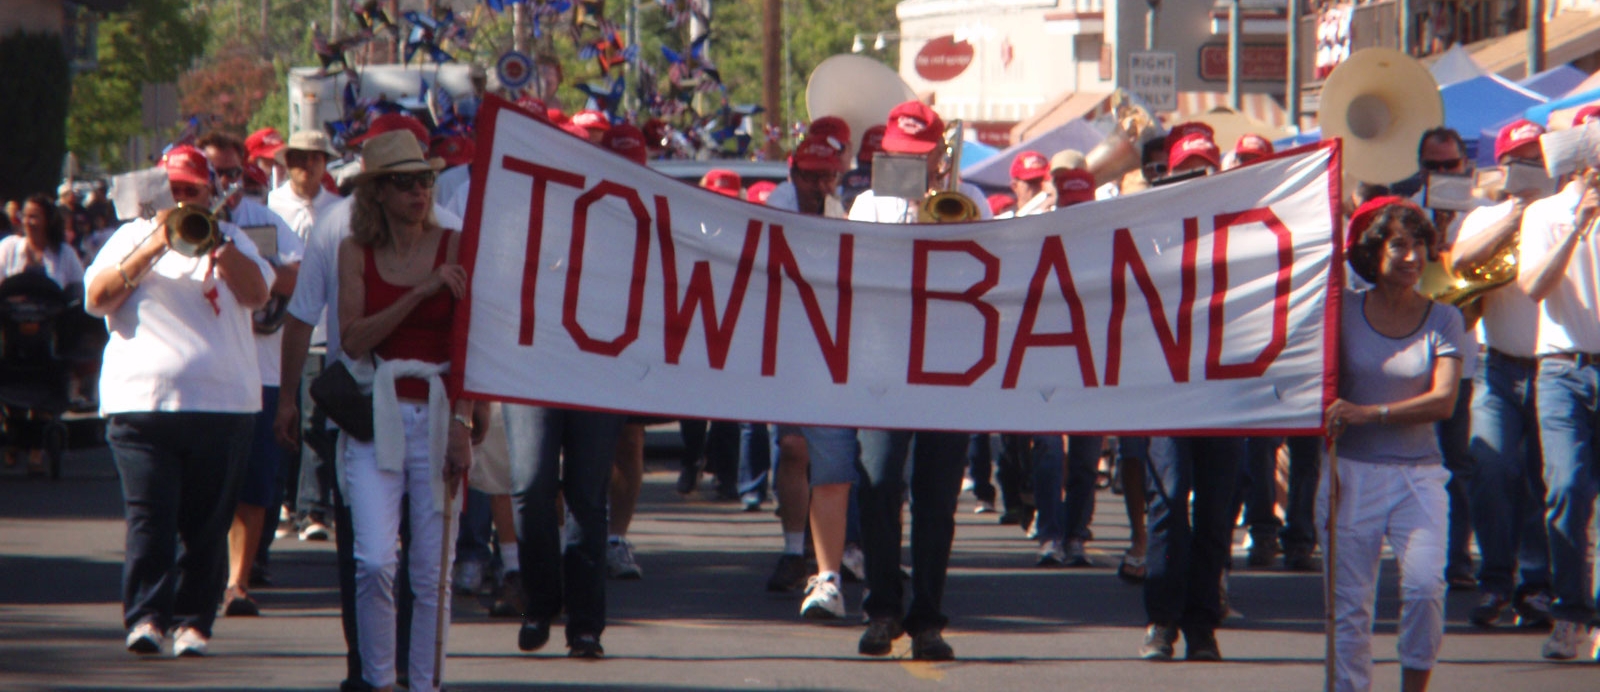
(406, 182)
(1441, 164)
(230, 173)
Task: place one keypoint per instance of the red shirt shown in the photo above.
(424, 334)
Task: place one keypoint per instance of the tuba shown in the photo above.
(1122, 151)
(857, 89)
(947, 204)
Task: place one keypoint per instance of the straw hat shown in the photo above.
(394, 152)
(306, 140)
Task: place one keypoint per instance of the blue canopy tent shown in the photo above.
(995, 172)
(1482, 104)
(1554, 82)
(1541, 113)
(974, 153)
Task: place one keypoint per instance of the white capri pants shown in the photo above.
(1408, 506)
(374, 498)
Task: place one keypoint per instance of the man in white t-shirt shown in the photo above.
(1559, 258)
(1507, 486)
(302, 200)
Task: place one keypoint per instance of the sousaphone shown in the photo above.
(857, 89)
(1379, 101)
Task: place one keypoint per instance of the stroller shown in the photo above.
(34, 379)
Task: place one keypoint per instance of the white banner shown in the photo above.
(1203, 307)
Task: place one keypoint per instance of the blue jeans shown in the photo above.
(1508, 489)
(568, 453)
(180, 476)
(1299, 533)
(1453, 434)
(1073, 466)
(980, 466)
(1568, 397)
(1257, 494)
(1183, 578)
(935, 484)
(755, 459)
(477, 530)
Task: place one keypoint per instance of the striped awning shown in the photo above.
(1263, 108)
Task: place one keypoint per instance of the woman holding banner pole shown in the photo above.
(1399, 364)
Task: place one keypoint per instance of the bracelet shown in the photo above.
(465, 421)
(1383, 414)
(126, 282)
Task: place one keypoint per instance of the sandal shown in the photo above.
(1132, 568)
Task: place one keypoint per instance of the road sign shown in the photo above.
(1153, 76)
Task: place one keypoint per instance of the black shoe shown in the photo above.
(533, 635)
(238, 604)
(1011, 517)
(1201, 646)
(508, 599)
(1489, 609)
(585, 646)
(350, 685)
(1300, 561)
(1460, 578)
(789, 574)
(879, 637)
(688, 479)
(1533, 609)
(1158, 641)
(929, 645)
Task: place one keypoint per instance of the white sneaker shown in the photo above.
(1051, 555)
(824, 600)
(1566, 640)
(984, 507)
(285, 523)
(854, 562)
(145, 639)
(189, 642)
(314, 531)
(620, 563)
(967, 484)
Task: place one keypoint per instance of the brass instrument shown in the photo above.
(947, 204)
(1122, 151)
(192, 230)
(1466, 287)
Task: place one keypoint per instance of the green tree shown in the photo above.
(150, 42)
(34, 85)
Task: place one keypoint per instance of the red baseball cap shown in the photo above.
(556, 115)
(1514, 135)
(1073, 186)
(627, 140)
(185, 164)
(264, 143)
(871, 143)
(389, 122)
(575, 130)
(722, 181)
(1030, 165)
(816, 154)
(1367, 213)
(1182, 130)
(759, 191)
(255, 176)
(830, 129)
(1585, 114)
(913, 128)
(535, 107)
(592, 120)
(1252, 146)
(454, 149)
(1000, 202)
(1192, 145)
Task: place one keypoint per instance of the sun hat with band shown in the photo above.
(394, 152)
(305, 140)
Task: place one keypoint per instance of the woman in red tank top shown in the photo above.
(398, 286)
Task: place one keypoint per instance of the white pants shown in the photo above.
(1408, 506)
(375, 501)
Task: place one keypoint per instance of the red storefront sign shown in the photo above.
(942, 59)
(1257, 63)
(994, 133)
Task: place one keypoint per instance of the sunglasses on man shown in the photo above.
(406, 182)
(1440, 165)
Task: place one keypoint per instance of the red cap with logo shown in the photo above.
(1190, 146)
(723, 182)
(574, 129)
(1585, 114)
(655, 134)
(1029, 165)
(627, 140)
(454, 149)
(759, 191)
(556, 115)
(913, 128)
(1368, 212)
(1073, 186)
(832, 130)
(816, 154)
(534, 106)
(871, 143)
(389, 122)
(1251, 147)
(1518, 133)
(591, 120)
(254, 176)
(264, 143)
(1182, 130)
(1000, 202)
(185, 164)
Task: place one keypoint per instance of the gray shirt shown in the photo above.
(1376, 369)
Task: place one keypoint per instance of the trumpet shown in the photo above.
(192, 230)
(947, 204)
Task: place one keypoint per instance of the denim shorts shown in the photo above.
(833, 453)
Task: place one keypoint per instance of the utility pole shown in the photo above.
(1150, 24)
(1407, 29)
(519, 29)
(1235, 46)
(1535, 37)
(698, 28)
(771, 64)
(1292, 86)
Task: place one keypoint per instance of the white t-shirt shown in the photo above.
(171, 347)
(870, 207)
(1569, 318)
(1510, 321)
(64, 268)
(299, 213)
(269, 347)
(831, 208)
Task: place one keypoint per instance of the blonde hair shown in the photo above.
(368, 225)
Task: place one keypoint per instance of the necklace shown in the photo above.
(405, 260)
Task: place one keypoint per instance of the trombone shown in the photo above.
(947, 204)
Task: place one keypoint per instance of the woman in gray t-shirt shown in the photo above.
(1399, 365)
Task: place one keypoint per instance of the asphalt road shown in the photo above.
(701, 619)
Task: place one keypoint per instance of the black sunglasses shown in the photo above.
(406, 182)
(230, 173)
(1441, 164)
